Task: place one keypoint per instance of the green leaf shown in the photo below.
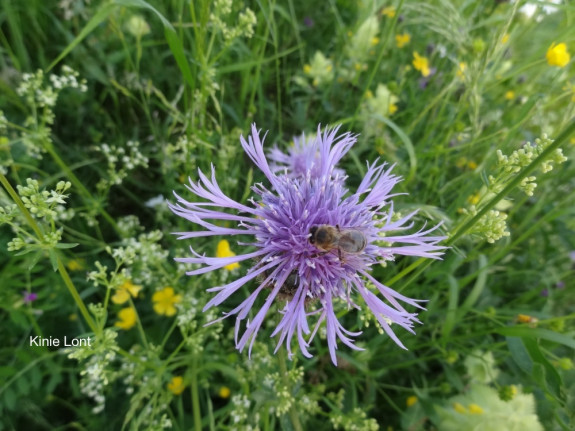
(100, 16)
(9, 399)
(520, 354)
(545, 334)
(67, 245)
(22, 385)
(408, 146)
(53, 259)
(552, 379)
(479, 284)
(450, 316)
(34, 260)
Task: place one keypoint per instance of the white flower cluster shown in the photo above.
(240, 408)
(246, 20)
(40, 98)
(191, 321)
(491, 227)
(74, 8)
(96, 374)
(148, 256)
(120, 162)
(44, 204)
(32, 87)
(519, 159)
(356, 420)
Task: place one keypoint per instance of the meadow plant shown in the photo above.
(106, 107)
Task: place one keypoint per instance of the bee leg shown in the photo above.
(339, 254)
(323, 253)
(337, 227)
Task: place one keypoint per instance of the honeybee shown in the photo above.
(326, 238)
(288, 290)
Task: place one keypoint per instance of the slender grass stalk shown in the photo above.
(196, 396)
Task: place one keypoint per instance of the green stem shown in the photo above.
(139, 324)
(77, 299)
(196, 396)
(31, 222)
(284, 375)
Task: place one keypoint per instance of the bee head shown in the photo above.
(312, 231)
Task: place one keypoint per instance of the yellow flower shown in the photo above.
(124, 291)
(402, 39)
(176, 385)
(474, 199)
(411, 400)
(388, 11)
(392, 108)
(224, 392)
(461, 70)
(472, 165)
(505, 38)
(421, 63)
(223, 250)
(307, 69)
(374, 40)
(165, 300)
(76, 264)
(557, 55)
(459, 408)
(128, 318)
(525, 318)
(474, 409)
(510, 95)
(513, 390)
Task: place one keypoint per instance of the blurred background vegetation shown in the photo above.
(167, 87)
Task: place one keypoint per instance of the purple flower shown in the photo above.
(29, 297)
(308, 22)
(308, 281)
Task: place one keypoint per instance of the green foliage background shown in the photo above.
(185, 93)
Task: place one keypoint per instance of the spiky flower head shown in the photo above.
(291, 270)
(302, 157)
